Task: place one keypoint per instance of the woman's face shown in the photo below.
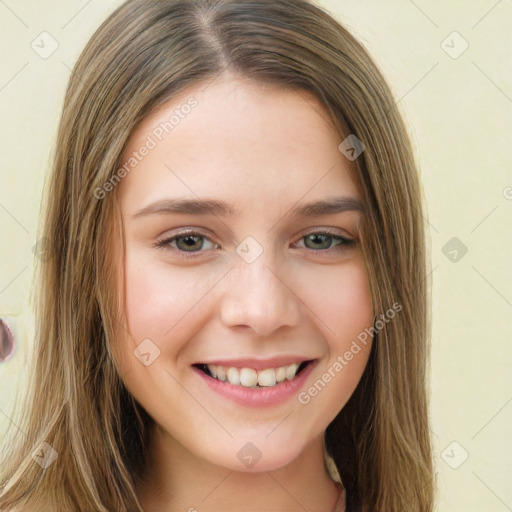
(241, 251)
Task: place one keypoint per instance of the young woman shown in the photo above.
(234, 315)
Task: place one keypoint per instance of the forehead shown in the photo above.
(251, 144)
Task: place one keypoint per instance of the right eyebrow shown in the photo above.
(188, 206)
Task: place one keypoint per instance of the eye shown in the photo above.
(324, 241)
(191, 244)
(188, 242)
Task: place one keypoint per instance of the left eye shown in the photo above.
(323, 241)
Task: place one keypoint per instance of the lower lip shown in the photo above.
(258, 397)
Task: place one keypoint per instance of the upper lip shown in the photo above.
(258, 364)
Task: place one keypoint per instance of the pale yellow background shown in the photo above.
(459, 112)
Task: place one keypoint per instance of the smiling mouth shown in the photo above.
(250, 378)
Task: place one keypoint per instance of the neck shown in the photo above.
(177, 480)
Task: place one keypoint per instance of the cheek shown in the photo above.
(163, 304)
(342, 302)
(352, 317)
(156, 302)
(353, 312)
(159, 297)
(340, 299)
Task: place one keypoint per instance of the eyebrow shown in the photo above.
(329, 206)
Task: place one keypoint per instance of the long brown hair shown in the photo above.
(141, 56)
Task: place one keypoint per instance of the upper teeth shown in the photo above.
(249, 377)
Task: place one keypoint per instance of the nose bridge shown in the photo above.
(257, 295)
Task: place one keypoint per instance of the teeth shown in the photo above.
(267, 377)
(248, 377)
(221, 372)
(251, 378)
(291, 371)
(281, 374)
(233, 376)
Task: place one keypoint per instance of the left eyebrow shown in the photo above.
(329, 206)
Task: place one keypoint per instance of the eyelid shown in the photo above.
(335, 232)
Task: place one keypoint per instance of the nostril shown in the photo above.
(6, 341)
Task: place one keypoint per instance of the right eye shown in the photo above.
(187, 243)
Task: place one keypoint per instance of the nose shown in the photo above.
(258, 296)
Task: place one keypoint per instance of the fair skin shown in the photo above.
(265, 151)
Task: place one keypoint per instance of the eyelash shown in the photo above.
(165, 243)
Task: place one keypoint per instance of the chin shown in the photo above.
(256, 457)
